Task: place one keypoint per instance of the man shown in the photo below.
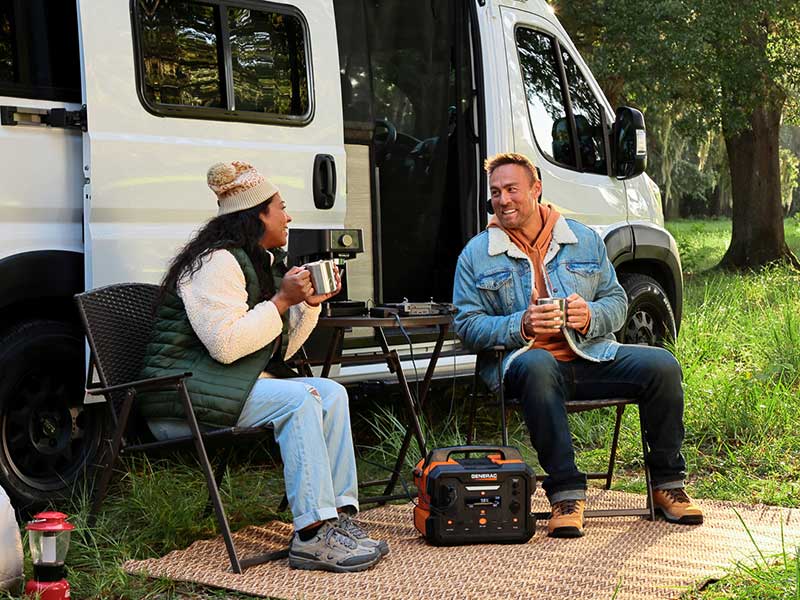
(528, 252)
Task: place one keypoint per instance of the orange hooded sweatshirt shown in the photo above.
(536, 249)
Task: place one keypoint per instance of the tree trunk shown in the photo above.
(757, 238)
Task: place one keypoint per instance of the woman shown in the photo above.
(230, 313)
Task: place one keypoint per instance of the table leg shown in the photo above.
(426, 382)
(381, 338)
(334, 350)
(414, 428)
(401, 457)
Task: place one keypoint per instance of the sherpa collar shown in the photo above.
(499, 242)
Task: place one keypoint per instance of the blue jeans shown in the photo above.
(311, 417)
(542, 385)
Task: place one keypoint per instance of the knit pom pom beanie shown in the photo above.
(238, 186)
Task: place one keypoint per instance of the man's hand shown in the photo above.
(317, 299)
(578, 313)
(541, 319)
(295, 287)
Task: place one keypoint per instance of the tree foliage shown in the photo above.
(704, 66)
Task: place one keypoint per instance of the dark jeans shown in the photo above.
(542, 385)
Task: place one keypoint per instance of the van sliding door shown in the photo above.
(173, 86)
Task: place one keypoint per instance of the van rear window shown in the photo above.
(39, 55)
(225, 61)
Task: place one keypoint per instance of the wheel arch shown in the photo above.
(40, 284)
(649, 250)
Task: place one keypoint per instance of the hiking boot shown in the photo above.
(566, 519)
(347, 523)
(677, 507)
(331, 549)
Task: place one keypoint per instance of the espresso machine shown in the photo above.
(339, 245)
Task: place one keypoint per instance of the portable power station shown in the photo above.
(482, 500)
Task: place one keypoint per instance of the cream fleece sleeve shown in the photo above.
(215, 298)
(302, 320)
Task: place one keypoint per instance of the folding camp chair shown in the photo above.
(573, 406)
(118, 320)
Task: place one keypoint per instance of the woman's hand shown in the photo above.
(317, 299)
(295, 287)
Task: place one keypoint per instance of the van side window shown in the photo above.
(588, 122)
(269, 62)
(180, 50)
(221, 61)
(39, 55)
(549, 94)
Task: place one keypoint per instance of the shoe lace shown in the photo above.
(565, 507)
(678, 495)
(351, 527)
(337, 535)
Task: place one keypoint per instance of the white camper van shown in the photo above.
(368, 115)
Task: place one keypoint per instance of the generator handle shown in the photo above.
(443, 454)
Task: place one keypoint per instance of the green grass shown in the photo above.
(739, 346)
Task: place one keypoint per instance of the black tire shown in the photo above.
(650, 320)
(48, 438)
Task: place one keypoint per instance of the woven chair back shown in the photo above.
(118, 320)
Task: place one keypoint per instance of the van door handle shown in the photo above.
(324, 181)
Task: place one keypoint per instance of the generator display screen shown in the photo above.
(483, 501)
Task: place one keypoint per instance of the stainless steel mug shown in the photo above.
(323, 276)
(561, 303)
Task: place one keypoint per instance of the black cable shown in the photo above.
(411, 351)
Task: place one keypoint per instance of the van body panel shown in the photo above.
(148, 189)
(499, 126)
(644, 202)
(40, 200)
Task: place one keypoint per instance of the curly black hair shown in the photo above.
(241, 229)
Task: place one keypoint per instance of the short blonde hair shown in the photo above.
(511, 158)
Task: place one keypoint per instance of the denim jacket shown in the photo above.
(493, 285)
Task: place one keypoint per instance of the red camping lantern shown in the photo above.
(48, 537)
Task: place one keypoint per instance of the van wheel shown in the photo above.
(650, 320)
(48, 437)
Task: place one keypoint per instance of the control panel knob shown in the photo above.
(346, 240)
(514, 506)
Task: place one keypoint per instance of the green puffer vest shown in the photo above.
(218, 391)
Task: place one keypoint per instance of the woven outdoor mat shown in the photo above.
(647, 560)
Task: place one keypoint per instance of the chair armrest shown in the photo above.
(153, 382)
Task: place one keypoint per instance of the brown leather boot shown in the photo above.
(677, 507)
(566, 519)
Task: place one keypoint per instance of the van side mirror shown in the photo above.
(628, 143)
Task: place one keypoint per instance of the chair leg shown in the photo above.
(612, 459)
(108, 468)
(502, 393)
(472, 407)
(213, 490)
(645, 452)
(284, 503)
(219, 473)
